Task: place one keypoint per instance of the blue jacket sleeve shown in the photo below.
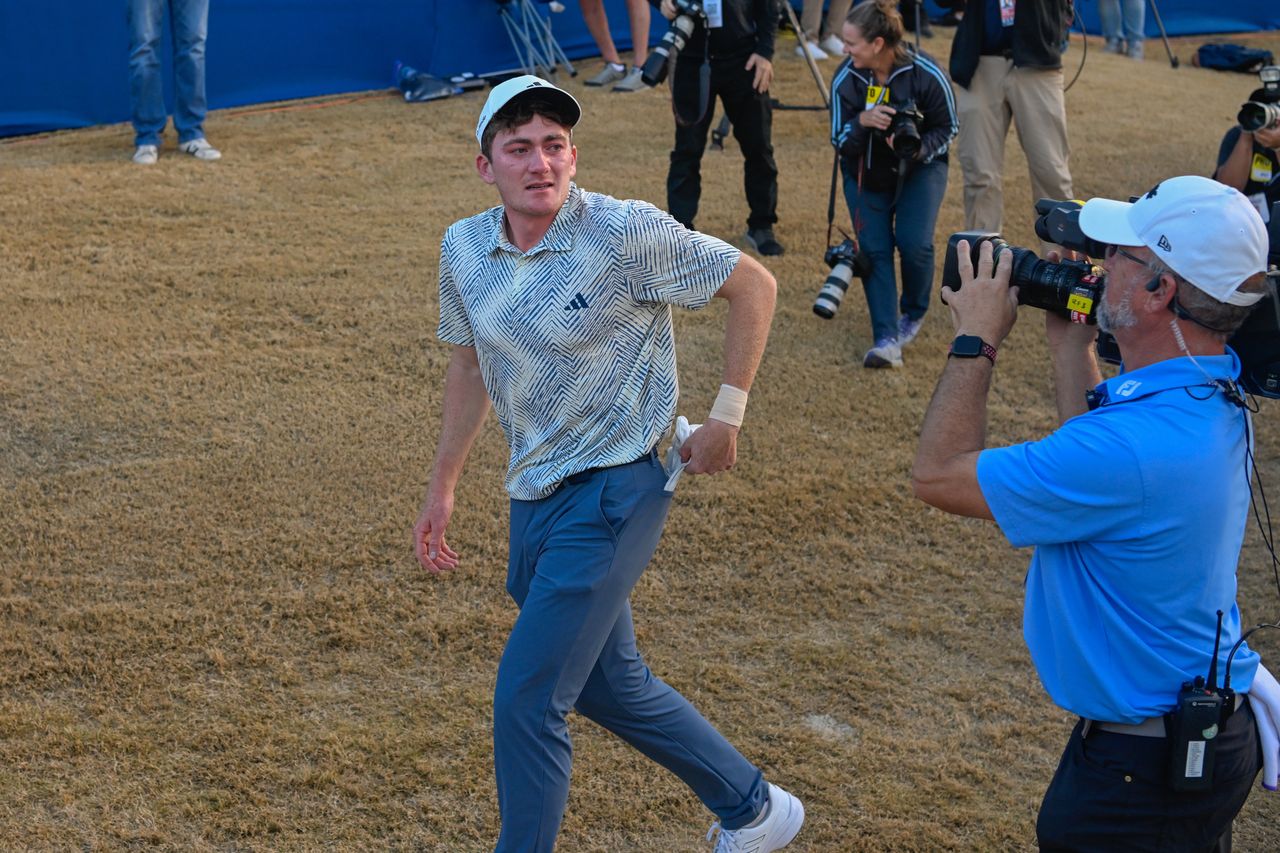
(937, 102)
(847, 134)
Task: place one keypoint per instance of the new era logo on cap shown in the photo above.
(1206, 232)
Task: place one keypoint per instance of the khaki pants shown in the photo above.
(1033, 99)
(812, 13)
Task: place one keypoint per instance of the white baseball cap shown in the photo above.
(507, 91)
(1206, 232)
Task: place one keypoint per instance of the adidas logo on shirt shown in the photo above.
(577, 303)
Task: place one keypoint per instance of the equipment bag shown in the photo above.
(1233, 57)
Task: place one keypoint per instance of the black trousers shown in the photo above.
(1110, 792)
(752, 116)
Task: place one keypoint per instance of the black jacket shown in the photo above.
(749, 27)
(1039, 28)
(919, 80)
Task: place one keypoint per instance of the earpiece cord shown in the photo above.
(1226, 678)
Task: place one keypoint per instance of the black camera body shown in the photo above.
(1257, 341)
(846, 261)
(904, 128)
(656, 67)
(1263, 107)
(1070, 288)
(1074, 288)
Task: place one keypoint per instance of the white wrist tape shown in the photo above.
(730, 405)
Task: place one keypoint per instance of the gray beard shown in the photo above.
(1121, 318)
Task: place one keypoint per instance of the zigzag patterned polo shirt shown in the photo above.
(574, 337)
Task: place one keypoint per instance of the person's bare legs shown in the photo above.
(638, 11)
(598, 25)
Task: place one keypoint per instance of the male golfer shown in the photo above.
(557, 304)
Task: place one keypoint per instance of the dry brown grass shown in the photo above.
(218, 404)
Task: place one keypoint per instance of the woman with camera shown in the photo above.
(1250, 160)
(893, 116)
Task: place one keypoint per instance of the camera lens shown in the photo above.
(1255, 115)
(833, 290)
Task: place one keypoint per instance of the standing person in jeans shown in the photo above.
(615, 70)
(188, 23)
(1006, 62)
(736, 42)
(558, 306)
(1122, 23)
(893, 188)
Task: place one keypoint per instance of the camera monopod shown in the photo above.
(1173, 60)
(813, 66)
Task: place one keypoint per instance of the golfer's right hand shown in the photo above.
(433, 553)
(668, 9)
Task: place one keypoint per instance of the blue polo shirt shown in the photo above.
(1137, 510)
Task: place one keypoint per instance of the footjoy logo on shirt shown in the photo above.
(1126, 389)
(577, 303)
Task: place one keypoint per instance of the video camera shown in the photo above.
(688, 14)
(1074, 288)
(1070, 288)
(1257, 341)
(1263, 108)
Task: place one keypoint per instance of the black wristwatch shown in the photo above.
(972, 346)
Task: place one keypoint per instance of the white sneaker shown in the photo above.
(146, 155)
(908, 329)
(832, 45)
(609, 74)
(200, 149)
(814, 51)
(886, 353)
(782, 820)
(633, 82)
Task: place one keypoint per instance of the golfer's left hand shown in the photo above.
(712, 448)
(764, 72)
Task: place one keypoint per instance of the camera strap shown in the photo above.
(831, 203)
(704, 88)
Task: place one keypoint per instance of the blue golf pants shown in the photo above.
(575, 555)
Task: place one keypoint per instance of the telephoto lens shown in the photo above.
(655, 67)
(845, 261)
(833, 291)
(1255, 115)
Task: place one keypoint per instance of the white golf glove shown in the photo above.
(673, 466)
(1264, 696)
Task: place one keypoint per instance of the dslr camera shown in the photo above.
(688, 14)
(1070, 288)
(904, 129)
(1263, 108)
(846, 260)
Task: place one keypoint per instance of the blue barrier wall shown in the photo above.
(1196, 17)
(64, 64)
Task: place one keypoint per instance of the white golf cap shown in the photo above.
(518, 87)
(1206, 232)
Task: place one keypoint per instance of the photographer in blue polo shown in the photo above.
(1136, 506)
